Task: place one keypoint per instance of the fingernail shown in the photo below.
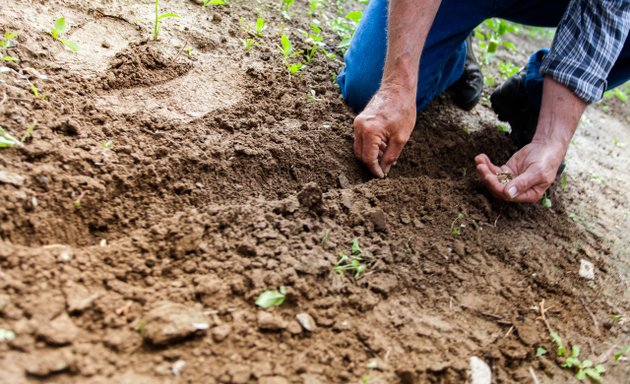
(386, 170)
(512, 192)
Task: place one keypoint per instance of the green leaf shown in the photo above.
(60, 27)
(509, 45)
(354, 16)
(6, 140)
(492, 46)
(9, 58)
(355, 248)
(167, 15)
(540, 351)
(562, 351)
(286, 45)
(71, 45)
(213, 2)
(270, 299)
(620, 353)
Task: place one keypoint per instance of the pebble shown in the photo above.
(178, 367)
(294, 328)
(480, 372)
(168, 322)
(306, 321)
(11, 178)
(60, 331)
(344, 183)
(377, 217)
(459, 248)
(221, 332)
(269, 322)
(587, 269)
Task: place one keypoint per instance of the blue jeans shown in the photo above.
(444, 54)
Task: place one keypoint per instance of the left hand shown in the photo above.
(534, 168)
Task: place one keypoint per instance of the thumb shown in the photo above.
(521, 188)
(392, 152)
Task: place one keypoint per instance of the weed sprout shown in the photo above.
(159, 17)
(59, 28)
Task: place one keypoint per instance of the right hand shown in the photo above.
(384, 127)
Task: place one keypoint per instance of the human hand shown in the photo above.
(383, 128)
(534, 168)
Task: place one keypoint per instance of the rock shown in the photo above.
(306, 321)
(7, 177)
(178, 367)
(294, 328)
(79, 298)
(377, 217)
(44, 363)
(168, 322)
(344, 183)
(60, 331)
(587, 269)
(342, 325)
(310, 196)
(240, 374)
(123, 340)
(221, 332)
(273, 380)
(269, 322)
(480, 372)
(459, 248)
(418, 224)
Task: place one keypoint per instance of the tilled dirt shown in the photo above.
(139, 260)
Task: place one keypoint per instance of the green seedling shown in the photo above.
(456, 229)
(491, 35)
(316, 41)
(540, 351)
(344, 27)
(285, 7)
(159, 17)
(575, 217)
(270, 299)
(259, 27)
(8, 141)
(29, 132)
(546, 201)
(313, 6)
(248, 44)
(352, 262)
(59, 28)
(213, 2)
(584, 369)
(294, 68)
(6, 335)
(507, 69)
(325, 237)
(563, 181)
(504, 128)
(619, 354)
(562, 351)
(287, 47)
(5, 44)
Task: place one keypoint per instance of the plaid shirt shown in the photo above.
(588, 41)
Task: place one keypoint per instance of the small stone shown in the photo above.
(587, 269)
(168, 322)
(269, 322)
(344, 183)
(240, 374)
(60, 331)
(45, 362)
(306, 321)
(377, 217)
(65, 254)
(342, 325)
(221, 332)
(294, 328)
(79, 298)
(459, 248)
(178, 367)
(480, 372)
(418, 224)
(11, 178)
(273, 380)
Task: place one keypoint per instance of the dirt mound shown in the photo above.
(152, 212)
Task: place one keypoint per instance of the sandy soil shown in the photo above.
(139, 260)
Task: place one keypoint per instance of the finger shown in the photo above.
(490, 180)
(369, 153)
(392, 152)
(484, 159)
(529, 186)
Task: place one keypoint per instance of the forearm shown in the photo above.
(560, 114)
(408, 26)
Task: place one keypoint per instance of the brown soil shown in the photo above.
(225, 180)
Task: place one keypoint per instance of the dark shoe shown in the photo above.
(466, 91)
(511, 104)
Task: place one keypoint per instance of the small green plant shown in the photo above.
(491, 35)
(344, 27)
(259, 27)
(456, 228)
(159, 17)
(5, 44)
(352, 262)
(504, 128)
(8, 141)
(583, 368)
(546, 201)
(325, 237)
(287, 47)
(59, 28)
(285, 7)
(540, 351)
(213, 2)
(564, 182)
(507, 69)
(270, 299)
(248, 43)
(294, 68)
(29, 132)
(619, 354)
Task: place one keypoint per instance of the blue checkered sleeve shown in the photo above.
(588, 41)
